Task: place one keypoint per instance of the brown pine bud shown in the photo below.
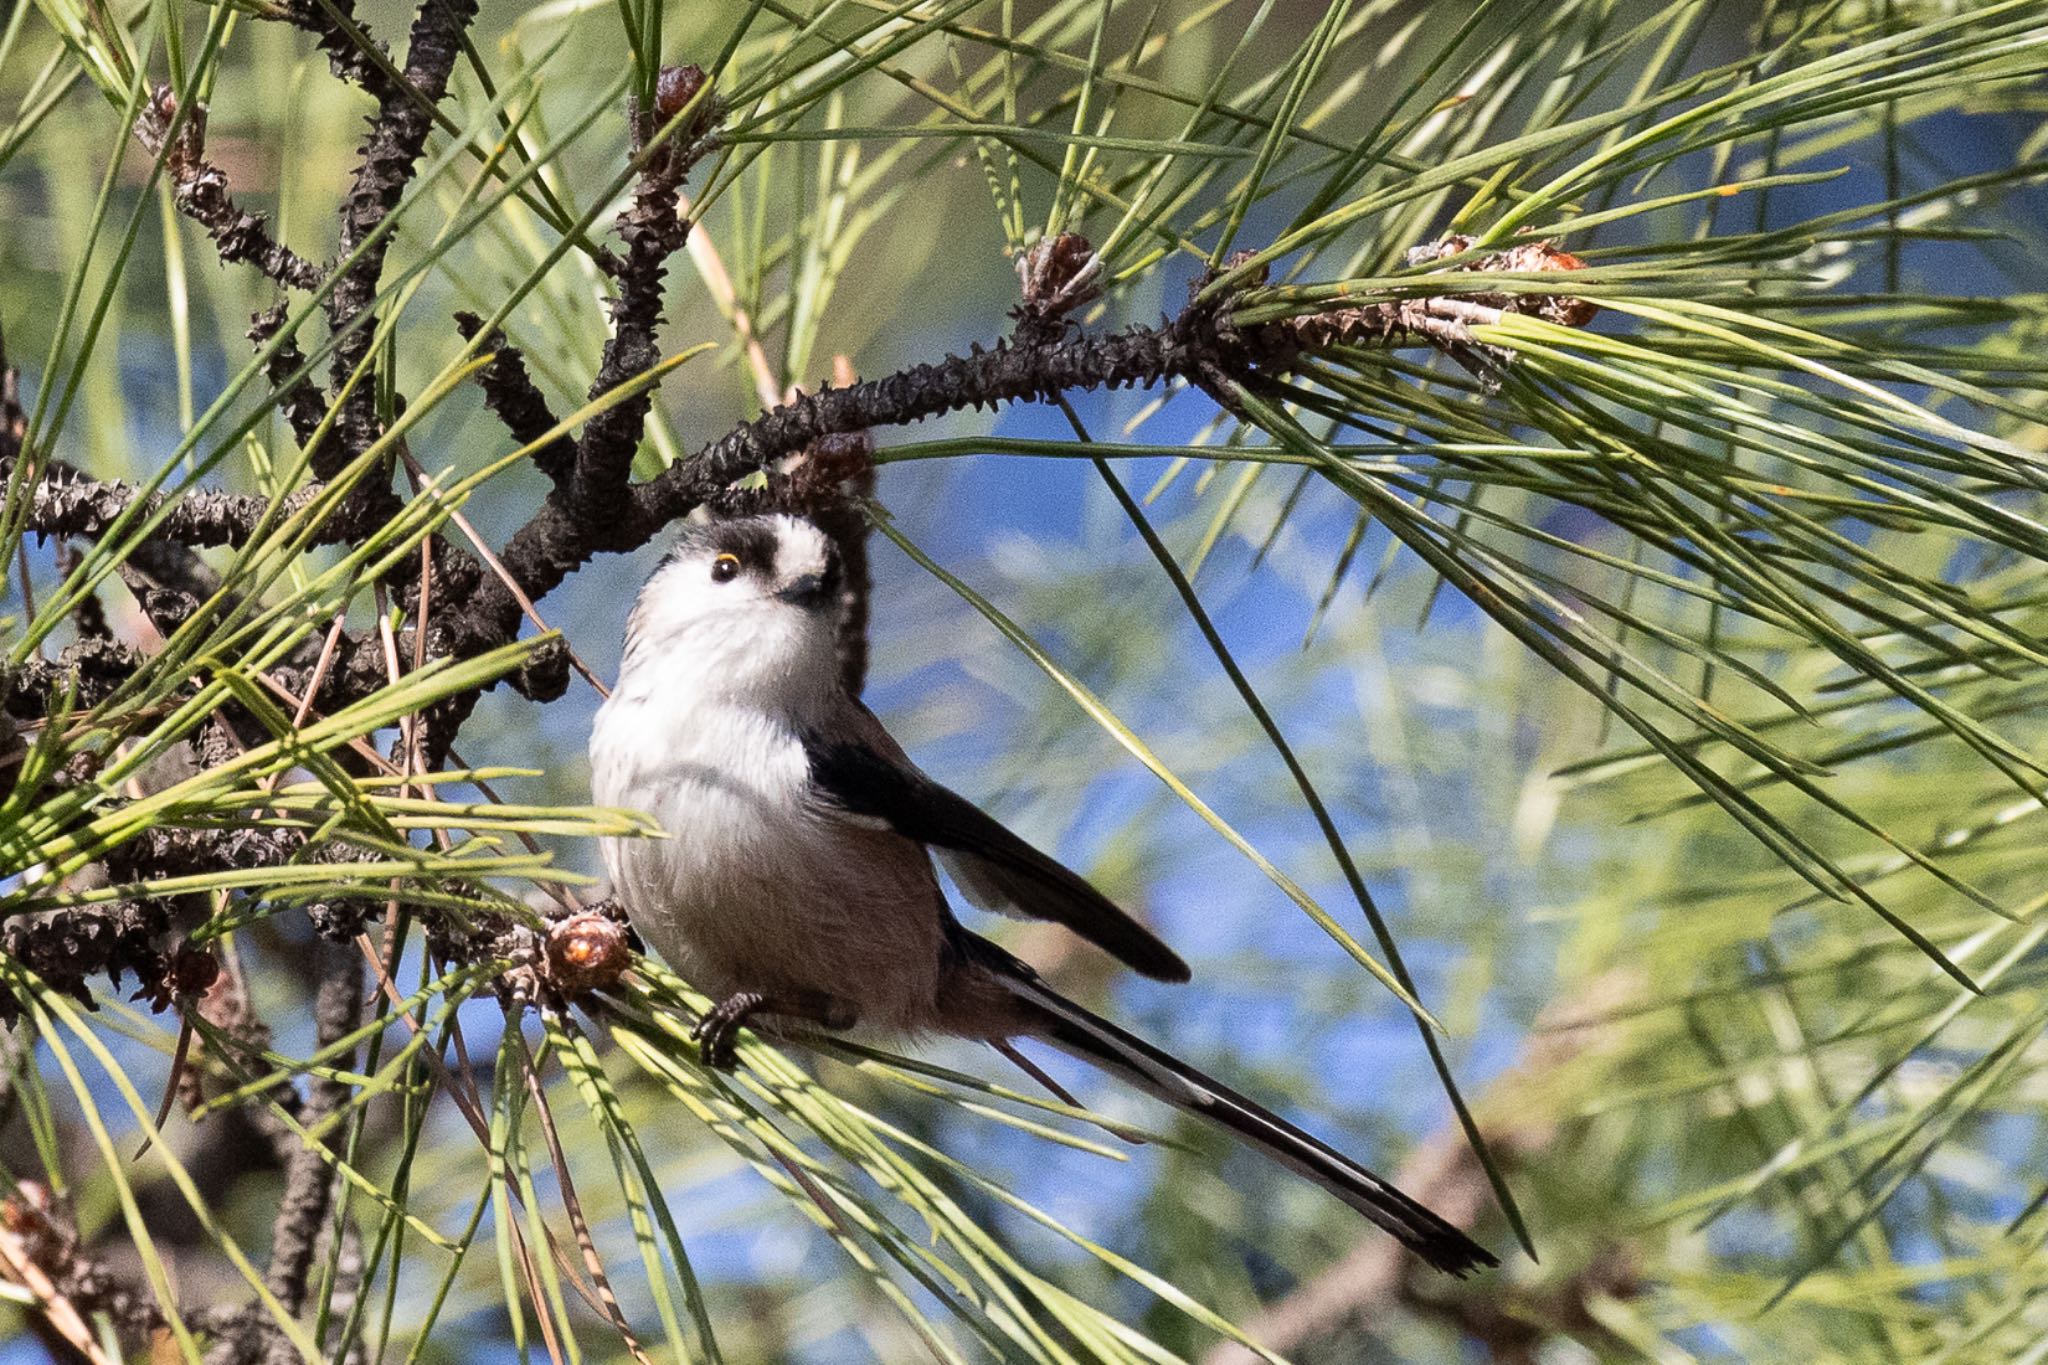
(194, 971)
(1522, 257)
(1059, 274)
(27, 1210)
(586, 952)
(674, 88)
(1560, 309)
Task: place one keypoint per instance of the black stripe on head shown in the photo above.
(750, 539)
(834, 575)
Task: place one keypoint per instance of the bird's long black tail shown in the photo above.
(1084, 1034)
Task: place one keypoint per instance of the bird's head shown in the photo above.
(745, 603)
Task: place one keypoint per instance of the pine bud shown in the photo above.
(674, 88)
(586, 952)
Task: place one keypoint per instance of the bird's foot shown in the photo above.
(717, 1031)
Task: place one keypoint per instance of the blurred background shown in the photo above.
(1702, 1082)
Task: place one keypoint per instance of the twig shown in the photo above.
(95, 666)
(398, 134)
(509, 391)
(301, 403)
(65, 947)
(342, 37)
(200, 190)
(68, 503)
(309, 1179)
(653, 230)
(561, 536)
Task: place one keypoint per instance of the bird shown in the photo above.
(796, 886)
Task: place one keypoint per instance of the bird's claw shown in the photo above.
(717, 1032)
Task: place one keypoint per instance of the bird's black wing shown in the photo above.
(866, 779)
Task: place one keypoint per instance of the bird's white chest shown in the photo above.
(728, 786)
(757, 886)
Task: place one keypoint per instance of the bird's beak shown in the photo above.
(811, 590)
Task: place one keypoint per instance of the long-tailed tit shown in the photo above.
(797, 886)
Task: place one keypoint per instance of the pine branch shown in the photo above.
(343, 37)
(653, 230)
(475, 613)
(310, 1177)
(511, 394)
(303, 407)
(200, 190)
(68, 503)
(398, 134)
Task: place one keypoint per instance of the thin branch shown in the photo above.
(342, 37)
(398, 134)
(68, 503)
(309, 1178)
(301, 403)
(95, 665)
(653, 229)
(65, 947)
(561, 537)
(509, 392)
(200, 190)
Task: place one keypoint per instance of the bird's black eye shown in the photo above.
(725, 568)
